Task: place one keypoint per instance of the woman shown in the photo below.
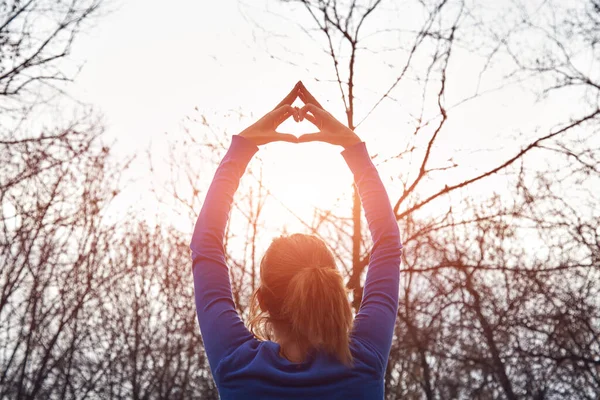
(306, 344)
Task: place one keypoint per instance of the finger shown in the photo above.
(307, 96)
(281, 119)
(289, 99)
(316, 111)
(281, 114)
(296, 114)
(285, 137)
(313, 120)
(311, 137)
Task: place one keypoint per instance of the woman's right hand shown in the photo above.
(330, 129)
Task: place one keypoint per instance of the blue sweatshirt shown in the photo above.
(244, 367)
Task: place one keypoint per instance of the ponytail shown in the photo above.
(318, 309)
(302, 297)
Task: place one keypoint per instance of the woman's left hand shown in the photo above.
(264, 131)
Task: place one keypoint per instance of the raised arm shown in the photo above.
(221, 327)
(376, 318)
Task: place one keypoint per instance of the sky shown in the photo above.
(146, 71)
(147, 65)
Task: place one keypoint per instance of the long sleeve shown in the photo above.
(376, 317)
(221, 327)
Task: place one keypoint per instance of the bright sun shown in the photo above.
(301, 178)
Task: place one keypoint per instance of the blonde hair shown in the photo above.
(303, 295)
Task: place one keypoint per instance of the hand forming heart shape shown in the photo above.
(330, 130)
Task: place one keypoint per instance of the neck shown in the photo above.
(292, 350)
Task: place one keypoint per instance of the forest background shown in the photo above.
(483, 118)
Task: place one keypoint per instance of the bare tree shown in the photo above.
(471, 275)
(499, 291)
(52, 242)
(35, 38)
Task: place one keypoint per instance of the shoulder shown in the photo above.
(261, 358)
(366, 357)
(238, 357)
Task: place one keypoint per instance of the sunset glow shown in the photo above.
(320, 199)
